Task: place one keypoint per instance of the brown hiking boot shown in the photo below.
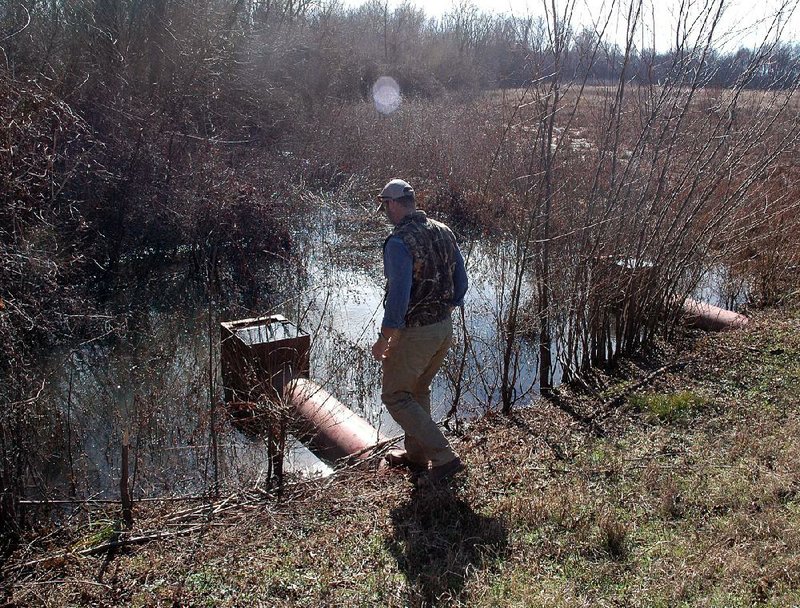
(444, 473)
(399, 458)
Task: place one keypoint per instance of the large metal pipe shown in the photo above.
(334, 430)
(711, 318)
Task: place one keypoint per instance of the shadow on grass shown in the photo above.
(438, 539)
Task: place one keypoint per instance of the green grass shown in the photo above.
(669, 407)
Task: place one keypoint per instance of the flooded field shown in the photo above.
(160, 381)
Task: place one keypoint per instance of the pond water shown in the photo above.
(160, 380)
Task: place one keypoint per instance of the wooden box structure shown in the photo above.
(260, 356)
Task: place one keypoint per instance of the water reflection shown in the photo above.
(160, 380)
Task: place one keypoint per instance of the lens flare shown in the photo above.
(386, 94)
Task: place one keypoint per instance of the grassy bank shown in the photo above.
(686, 496)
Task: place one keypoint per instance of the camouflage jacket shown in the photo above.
(432, 246)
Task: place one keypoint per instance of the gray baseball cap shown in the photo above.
(397, 188)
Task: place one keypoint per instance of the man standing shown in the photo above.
(425, 280)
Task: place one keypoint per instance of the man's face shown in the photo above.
(390, 208)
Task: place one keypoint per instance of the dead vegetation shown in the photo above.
(699, 507)
(144, 134)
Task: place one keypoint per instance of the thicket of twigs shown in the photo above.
(610, 177)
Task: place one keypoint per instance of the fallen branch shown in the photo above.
(64, 581)
(604, 409)
(136, 540)
(376, 449)
(110, 501)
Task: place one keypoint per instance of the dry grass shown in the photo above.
(694, 510)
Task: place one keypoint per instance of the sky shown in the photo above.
(744, 21)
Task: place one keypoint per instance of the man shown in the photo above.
(425, 281)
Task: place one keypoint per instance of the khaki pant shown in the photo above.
(414, 357)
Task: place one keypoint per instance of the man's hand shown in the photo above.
(379, 349)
